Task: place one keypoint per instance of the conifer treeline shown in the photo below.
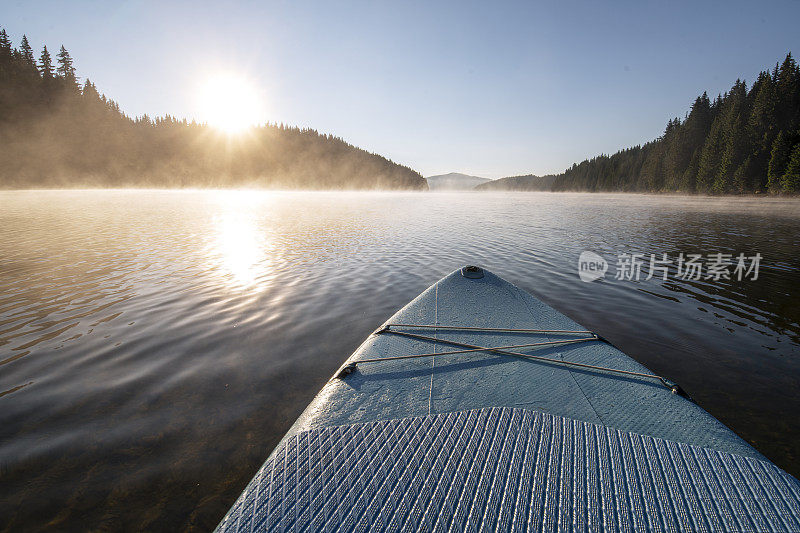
(745, 141)
(57, 132)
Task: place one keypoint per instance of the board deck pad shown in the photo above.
(509, 470)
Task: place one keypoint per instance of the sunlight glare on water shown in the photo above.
(241, 250)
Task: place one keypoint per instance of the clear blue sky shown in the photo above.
(484, 88)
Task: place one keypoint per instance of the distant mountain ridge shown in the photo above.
(528, 182)
(454, 181)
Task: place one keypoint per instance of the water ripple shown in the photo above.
(154, 345)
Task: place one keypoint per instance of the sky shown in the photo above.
(486, 88)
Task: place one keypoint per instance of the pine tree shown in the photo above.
(761, 128)
(790, 181)
(45, 64)
(6, 64)
(788, 87)
(709, 160)
(696, 128)
(5, 44)
(89, 91)
(27, 52)
(741, 177)
(731, 157)
(778, 161)
(734, 139)
(66, 69)
(675, 153)
(762, 115)
(652, 172)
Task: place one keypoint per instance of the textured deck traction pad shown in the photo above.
(509, 469)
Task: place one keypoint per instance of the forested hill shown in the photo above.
(454, 181)
(57, 132)
(745, 141)
(519, 183)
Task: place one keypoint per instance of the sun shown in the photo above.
(229, 103)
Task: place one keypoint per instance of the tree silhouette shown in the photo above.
(66, 69)
(791, 179)
(27, 52)
(5, 44)
(778, 161)
(45, 64)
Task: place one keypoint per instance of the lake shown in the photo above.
(156, 345)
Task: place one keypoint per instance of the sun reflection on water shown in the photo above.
(243, 250)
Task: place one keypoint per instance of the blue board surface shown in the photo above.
(503, 469)
(418, 387)
(608, 431)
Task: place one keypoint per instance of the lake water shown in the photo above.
(155, 345)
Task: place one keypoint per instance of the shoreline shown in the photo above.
(765, 196)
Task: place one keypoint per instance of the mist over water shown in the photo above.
(155, 345)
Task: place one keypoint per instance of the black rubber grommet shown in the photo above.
(472, 272)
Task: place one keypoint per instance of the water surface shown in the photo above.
(155, 345)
